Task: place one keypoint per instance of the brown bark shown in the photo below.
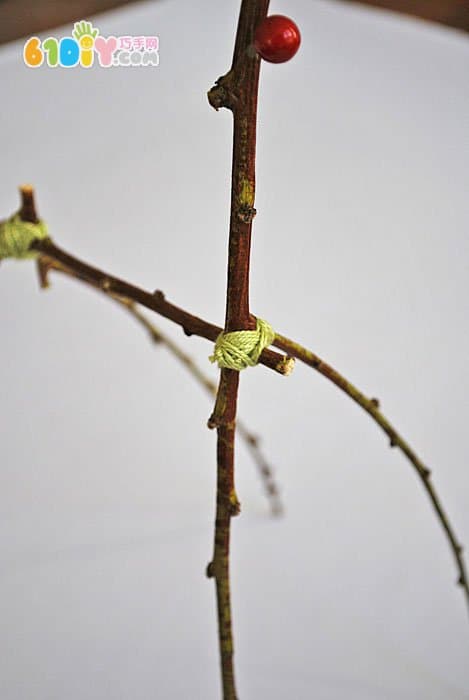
(237, 91)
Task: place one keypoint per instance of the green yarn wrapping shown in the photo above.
(17, 235)
(240, 349)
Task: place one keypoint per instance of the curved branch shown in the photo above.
(371, 406)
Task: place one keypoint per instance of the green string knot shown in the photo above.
(240, 349)
(17, 235)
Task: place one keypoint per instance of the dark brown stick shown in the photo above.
(191, 325)
(28, 211)
(237, 91)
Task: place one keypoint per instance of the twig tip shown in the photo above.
(286, 366)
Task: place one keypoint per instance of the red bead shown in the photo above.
(277, 39)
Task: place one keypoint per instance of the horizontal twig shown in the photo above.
(192, 325)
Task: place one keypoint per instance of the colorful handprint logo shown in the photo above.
(85, 35)
(85, 44)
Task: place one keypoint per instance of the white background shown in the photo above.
(360, 251)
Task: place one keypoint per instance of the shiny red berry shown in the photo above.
(277, 39)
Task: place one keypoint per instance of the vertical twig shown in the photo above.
(237, 91)
(250, 439)
(28, 211)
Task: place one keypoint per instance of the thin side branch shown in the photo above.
(45, 265)
(250, 440)
(371, 406)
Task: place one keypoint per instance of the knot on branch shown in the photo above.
(286, 366)
(156, 336)
(106, 284)
(217, 420)
(234, 505)
(246, 213)
(222, 94)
